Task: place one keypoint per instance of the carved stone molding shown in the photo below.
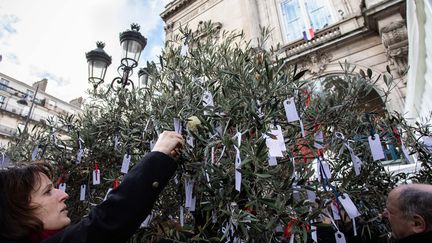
(395, 40)
(316, 62)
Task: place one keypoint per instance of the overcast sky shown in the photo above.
(48, 38)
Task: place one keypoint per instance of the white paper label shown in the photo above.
(190, 141)
(214, 216)
(184, 50)
(152, 144)
(79, 156)
(181, 216)
(116, 142)
(291, 110)
(376, 147)
(349, 206)
(311, 195)
(238, 176)
(106, 195)
(340, 237)
(335, 211)
(125, 164)
(188, 192)
(406, 153)
(279, 136)
(147, 221)
(35, 152)
(192, 206)
(177, 125)
(82, 192)
(207, 99)
(356, 163)
(62, 187)
(323, 170)
(272, 161)
(274, 147)
(302, 129)
(314, 233)
(96, 177)
(319, 140)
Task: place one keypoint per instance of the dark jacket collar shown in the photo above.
(418, 238)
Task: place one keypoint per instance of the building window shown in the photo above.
(51, 103)
(302, 18)
(30, 93)
(3, 84)
(2, 99)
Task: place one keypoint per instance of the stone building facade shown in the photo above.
(13, 115)
(314, 34)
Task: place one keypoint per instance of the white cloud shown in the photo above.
(49, 38)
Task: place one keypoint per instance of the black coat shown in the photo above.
(417, 238)
(117, 218)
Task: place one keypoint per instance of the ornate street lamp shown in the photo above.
(132, 43)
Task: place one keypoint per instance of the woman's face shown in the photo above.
(50, 203)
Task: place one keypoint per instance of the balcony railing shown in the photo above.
(8, 131)
(16, 109)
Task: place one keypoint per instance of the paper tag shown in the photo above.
(238, 176)
(152, 144)
(184, 50)
(427, 141)
(406, 153)
(340, 237)
(291, 110)
(335, 211)
(207, 99)
(79, 156)
(311, 195)
(35, 152)
(279, 136)
(314, 233)
(125, 164)
(62, 187)
(349, 206)
(302, 129)
(177, 125)
(188, 192)
(181, 216)
(292, 238)
(82, 192)
(376, 147)
(192, 206)
(106, 195)
(190, 140)
(214, 216)
(272, 161)
(274, 147)
(356, 163)
(319, 140)
(296, 193)
(96, 177)
(147, 221)
(116, 142)
(323, 170)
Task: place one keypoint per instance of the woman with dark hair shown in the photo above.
(32, 210)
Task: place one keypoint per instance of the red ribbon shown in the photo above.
(115, 183)
(96, 166)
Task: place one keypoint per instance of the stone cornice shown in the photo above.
(174, 7)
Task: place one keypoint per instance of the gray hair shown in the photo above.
(414, 201)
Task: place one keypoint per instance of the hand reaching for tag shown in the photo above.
(169, 143)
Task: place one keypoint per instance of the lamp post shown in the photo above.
(23, 101)
(132, 43)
